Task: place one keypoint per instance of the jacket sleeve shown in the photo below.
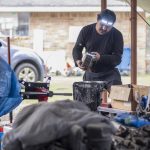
(115, 57)
(79, 45)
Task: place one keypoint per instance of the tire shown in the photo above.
(27, 72)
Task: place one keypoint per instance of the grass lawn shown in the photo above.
(61, 84)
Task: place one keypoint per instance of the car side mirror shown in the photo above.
(0, 44)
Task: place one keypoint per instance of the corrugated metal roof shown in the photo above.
(58, 3)
(66, 5)
(145, 4)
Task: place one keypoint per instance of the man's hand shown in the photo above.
(79, 64)
(97, 55)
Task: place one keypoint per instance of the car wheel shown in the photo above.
(27, 72)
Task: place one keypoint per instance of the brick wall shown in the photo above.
(56, 31)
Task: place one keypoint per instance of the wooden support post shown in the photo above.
(104, 94)
(9, 62)
(133, 42)
(103, 4)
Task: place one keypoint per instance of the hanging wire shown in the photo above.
(137, 13)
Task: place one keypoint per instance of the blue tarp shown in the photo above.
(131, 120)
(10, 89)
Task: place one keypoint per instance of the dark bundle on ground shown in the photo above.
(132, 139)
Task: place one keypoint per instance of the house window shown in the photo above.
(23, 24)
(8, 22)
(14, 24)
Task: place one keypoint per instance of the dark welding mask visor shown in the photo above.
(107, 18)
(106, 22)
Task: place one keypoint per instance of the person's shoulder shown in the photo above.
(116, 31)
(89, 26)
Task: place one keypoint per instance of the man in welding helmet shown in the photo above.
(105, 42)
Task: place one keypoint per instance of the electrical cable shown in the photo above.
(138, 13)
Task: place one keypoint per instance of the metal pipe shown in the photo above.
(104, 94)
(8, 47)
(133, 42)
(9, 62)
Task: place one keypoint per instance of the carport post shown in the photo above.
(133, 42)
(104, 94)
(8, 46)
(9, 62)
(103, 4)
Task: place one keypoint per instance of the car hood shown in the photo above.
(27, 51)
(22, 48)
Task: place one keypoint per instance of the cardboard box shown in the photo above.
(125, 96)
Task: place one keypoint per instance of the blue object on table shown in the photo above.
(131, 120)
(9, 89)
(143, 102)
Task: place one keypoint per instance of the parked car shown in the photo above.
(27, 64)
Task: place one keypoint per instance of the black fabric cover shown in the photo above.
(46, 122)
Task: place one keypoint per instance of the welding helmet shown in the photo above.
(106, 17)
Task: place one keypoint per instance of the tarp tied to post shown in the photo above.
(62, 125)
(9, 89)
